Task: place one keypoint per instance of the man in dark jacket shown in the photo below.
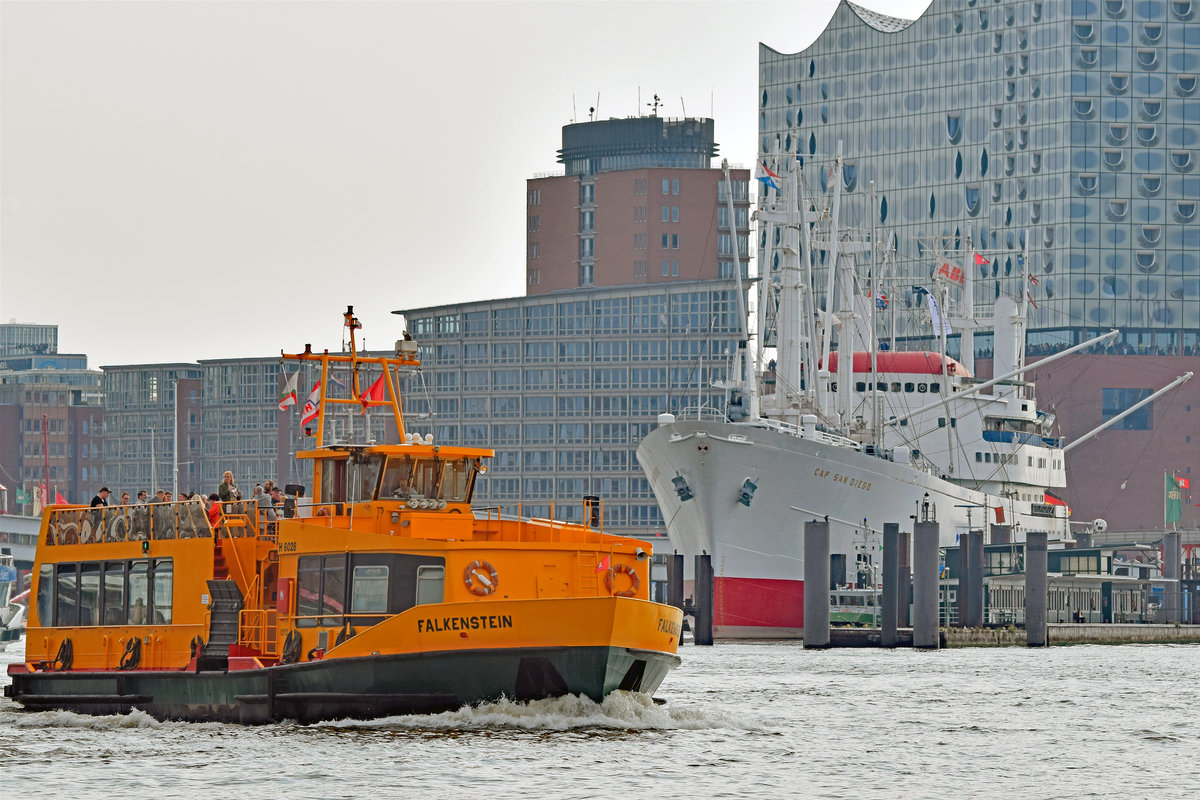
(101, 498)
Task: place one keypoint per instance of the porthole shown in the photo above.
(1085, 183)
(1152, 32)
(1118, 82)
(1181, 160)
(1147, 59)
(1185, 85)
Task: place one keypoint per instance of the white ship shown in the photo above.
(854, 431)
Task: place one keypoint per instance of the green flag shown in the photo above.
(23, 496)
(1172, 499)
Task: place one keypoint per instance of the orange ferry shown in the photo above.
(391, 597)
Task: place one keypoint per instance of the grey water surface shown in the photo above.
(741, 720)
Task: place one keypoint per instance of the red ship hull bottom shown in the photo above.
(758, 608)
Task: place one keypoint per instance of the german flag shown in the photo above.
(1055, 500)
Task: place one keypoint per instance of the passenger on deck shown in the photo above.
(101, 498)
(214, 511)
(141, 495)
(124, 498)
(228, 490)
(137, 612)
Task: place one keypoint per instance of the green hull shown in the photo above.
(361, 688)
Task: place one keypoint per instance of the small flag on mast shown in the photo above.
(980, 260)
(312, 405)
(373, 394)
(288, 398)
(603, 565)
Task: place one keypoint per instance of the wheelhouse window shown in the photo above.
(457, 478)
(396, 478)
(66, 599)
(114, 593)
(363, 476)
(308, 590)
(89, 594)
(164, 590)
(139, 593)
(369, 591)
(46, 592)
(333, 590)
(430, 584)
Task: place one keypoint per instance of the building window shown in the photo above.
(674, 186)
(1114, 401)
(666, 185)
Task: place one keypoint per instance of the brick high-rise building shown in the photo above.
(639, 204)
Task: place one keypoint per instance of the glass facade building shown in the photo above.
(1064, 129)
(564, 387)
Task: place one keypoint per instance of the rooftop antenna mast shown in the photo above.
(654, 106)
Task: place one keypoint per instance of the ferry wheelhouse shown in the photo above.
(387, 594)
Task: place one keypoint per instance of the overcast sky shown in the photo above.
(220, 179)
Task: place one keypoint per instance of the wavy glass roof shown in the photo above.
(880, 22)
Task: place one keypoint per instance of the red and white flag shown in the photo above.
(312, 405)
(373, 394)
(603, 565)
(1184, 483)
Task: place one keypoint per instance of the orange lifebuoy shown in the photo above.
(634, 581)
(482, 582)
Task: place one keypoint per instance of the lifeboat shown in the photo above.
(386, 593)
